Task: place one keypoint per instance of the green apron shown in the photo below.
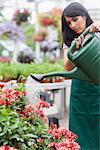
(84, 118)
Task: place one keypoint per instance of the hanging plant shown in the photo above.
(21, 15)
(40, 35)
(45, 19)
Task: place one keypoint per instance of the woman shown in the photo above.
(85, 96)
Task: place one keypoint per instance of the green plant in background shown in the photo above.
(13, 71)
(9, 72)
(29, 30)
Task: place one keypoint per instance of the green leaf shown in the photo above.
(3, 133)
(15, 136)
(14, 126)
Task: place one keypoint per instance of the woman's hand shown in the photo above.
(78, 42)
(95, 27)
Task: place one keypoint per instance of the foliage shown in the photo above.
(8, 72)
(29, 30)
(13, 71)
(15, 131)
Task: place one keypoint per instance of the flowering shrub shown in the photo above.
(63, 139)
(24, 126)
(14, 99)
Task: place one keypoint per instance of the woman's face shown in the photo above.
(77, 24)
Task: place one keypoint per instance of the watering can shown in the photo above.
(86, 60)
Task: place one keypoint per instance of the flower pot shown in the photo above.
(23, 18)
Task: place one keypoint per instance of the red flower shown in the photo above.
(9, 102)
(1, 85)
(40, 112)
(7, 148)
(46, 21)
(2, 102)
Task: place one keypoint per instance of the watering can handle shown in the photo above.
(73, 46)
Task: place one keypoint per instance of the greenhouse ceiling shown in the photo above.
(7, 7)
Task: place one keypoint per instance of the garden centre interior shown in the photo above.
(31, 44)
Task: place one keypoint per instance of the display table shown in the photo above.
(54, 88)
(62, 98)
(52, 111)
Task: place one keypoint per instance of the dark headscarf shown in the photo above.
(72, 10)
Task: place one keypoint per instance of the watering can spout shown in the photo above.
(75, 73)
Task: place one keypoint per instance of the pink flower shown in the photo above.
(40, 140)
(66, 145)
(40, 112)
(42, 103)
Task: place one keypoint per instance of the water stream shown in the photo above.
(33, 90)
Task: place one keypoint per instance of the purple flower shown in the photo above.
(12, 30)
